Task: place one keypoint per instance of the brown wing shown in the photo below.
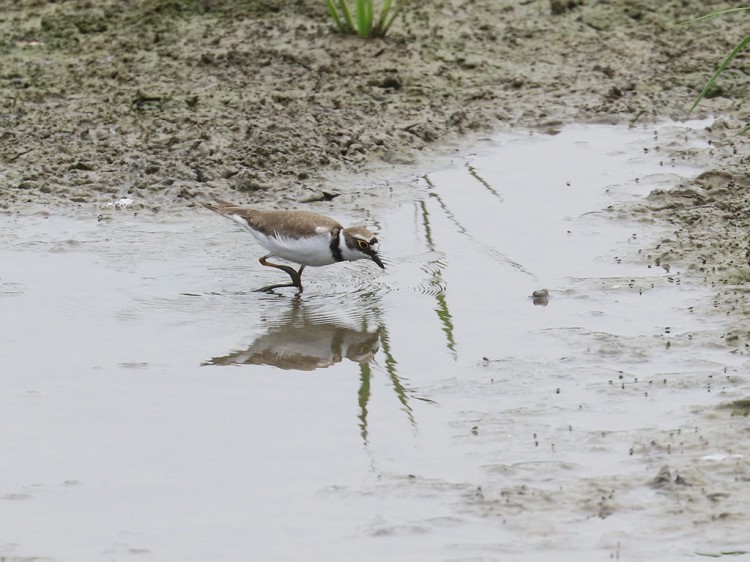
(293, 223)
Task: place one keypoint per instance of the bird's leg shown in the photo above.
(295, 275)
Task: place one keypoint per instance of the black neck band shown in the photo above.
(335, 248)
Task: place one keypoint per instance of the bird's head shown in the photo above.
(360, 243)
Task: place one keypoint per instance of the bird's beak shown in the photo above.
(376, 259)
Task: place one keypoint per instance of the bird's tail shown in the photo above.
(221, 207)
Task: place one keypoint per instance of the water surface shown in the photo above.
(155, 406)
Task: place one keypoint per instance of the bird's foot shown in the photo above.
(270, 288)
(294, 274)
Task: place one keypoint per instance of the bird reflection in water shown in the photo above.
(303, 343)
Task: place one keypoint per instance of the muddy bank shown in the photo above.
(162, 101)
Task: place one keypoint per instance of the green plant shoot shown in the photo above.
(725, 62)
(364, 22)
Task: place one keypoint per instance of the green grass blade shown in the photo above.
(709, 16)
(360, 12)
(335, 15)
(364, 17)
(344, 5)
(369, 9)
(383, 17)
(396, 10)
(719, 70)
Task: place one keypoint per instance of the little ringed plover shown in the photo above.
(301, 237)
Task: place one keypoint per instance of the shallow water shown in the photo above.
(154, 405)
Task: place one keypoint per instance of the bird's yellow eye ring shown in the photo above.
(363, 245)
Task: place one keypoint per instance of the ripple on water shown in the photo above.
(432, 287)
(11, 289)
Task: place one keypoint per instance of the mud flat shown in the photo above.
(167, 100)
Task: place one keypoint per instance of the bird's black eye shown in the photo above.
(363, 244)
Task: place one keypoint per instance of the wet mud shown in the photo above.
(509, 436)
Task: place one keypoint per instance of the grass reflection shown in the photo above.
(434, 269)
